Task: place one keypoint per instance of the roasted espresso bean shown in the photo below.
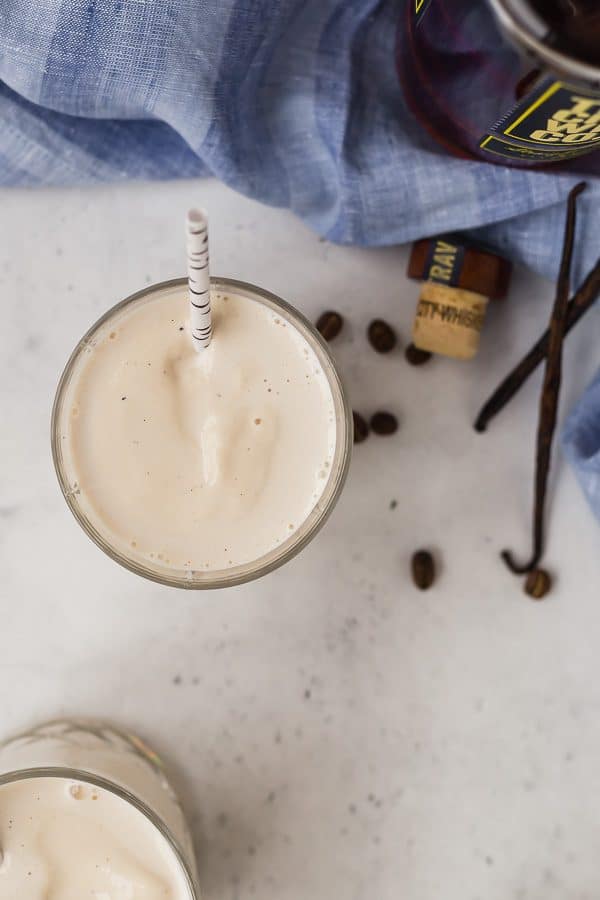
(329, 324)
(538, 584)
(382, 336)
(423, 569)
(384, 423)
(361, 429)
(416, 356)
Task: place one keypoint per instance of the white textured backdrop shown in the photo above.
(336, 733)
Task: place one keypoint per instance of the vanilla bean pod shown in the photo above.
(550, 390)
(582, 300)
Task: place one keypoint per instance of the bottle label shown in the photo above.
(444, 262)
(552, 122)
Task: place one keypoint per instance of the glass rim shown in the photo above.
(66, 773)
(245, 572)
(523, 25)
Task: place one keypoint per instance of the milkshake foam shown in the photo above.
(198, 461)
(62, 839)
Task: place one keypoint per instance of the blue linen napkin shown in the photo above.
(581, 441)
(296, 103)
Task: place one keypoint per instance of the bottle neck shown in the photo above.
(563, 36)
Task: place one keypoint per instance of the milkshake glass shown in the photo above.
(86, 808)
(178, 432)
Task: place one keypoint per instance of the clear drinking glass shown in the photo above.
(96, 754)
(193, 578)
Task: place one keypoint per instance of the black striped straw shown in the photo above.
(198, 278)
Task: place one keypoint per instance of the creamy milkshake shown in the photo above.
(201, 469)
(86, 811)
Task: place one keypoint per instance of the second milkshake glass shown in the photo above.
(91, 754)
(74, 492)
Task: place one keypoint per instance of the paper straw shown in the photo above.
(198, 278)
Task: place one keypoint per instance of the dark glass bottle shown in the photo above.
(575, 26)
(513, 82)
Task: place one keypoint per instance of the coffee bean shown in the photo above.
(384, 423)
(423, 569)
(537, 584)
(329, 324)
(382, 336)
(415, 356)
(361, 429)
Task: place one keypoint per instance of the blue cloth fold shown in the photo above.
(296, 103)
(581, 441)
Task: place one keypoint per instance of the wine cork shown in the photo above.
(458, 281)
(449, 320)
